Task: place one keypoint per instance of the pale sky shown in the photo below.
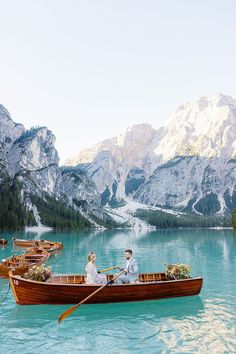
(87, 69)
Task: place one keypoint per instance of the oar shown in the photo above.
(73, 308)
(107, 269)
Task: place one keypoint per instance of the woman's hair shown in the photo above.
(91, 256)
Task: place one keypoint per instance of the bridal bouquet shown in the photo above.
(38, 273)
(178, 271)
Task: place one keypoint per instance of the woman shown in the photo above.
(92, 275)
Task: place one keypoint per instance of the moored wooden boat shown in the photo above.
(45, 247)
(3, 242)
(71, 289)
(32, 243)
(21, 263)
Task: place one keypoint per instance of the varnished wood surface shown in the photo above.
(71, 289)
(52, 250)
(21, 263)
(31, 243)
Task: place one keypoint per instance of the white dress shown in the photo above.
(92, 275)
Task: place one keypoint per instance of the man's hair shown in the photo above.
(130, 251)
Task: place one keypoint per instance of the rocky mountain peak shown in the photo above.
(206, 127)
(217, 100)
(123, 166)
(4, 112)
(135, 133)
(9, 130)
(30, 156)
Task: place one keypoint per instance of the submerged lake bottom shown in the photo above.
(204, 323)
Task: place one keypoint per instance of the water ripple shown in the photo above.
(204, 324)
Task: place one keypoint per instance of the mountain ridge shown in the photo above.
(30, 164)
(124, 165)
(186, 166)
(218, 101)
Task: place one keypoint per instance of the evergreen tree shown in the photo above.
(55, 214)
(13, 215)
(234, 219)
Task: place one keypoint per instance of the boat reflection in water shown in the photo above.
(178, 308)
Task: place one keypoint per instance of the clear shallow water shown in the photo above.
(204, 323)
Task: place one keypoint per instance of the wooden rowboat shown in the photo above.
(32, 243)
(71, 289)
(47, 247)
(21, 263)
(3, 242)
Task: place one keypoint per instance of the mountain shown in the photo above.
(109, 162)
(187, 165)
(30, 162)
(203, 128)
(174, 175)
(9, 132)
(205, 186)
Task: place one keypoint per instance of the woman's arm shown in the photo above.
(89, 268)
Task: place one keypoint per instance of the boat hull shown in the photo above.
(50, 250)
(21, 269)
(32, 243)
(28, 292)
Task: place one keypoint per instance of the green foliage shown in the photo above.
(38, 273)
(105, 196)
(110, 223)
(230, 200)
(107, 221)
(114, 187)
(208, 205)
(70, 169)
(116, 203)
(189, 207)
(175, 161)
(178, 271)
(13, 214)
(30, 220)
(164, 220)
(55, 214)
(28, 134)
(233, 220)
(134, 180)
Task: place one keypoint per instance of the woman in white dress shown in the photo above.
(93, 277)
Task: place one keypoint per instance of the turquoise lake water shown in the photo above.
(204, 324)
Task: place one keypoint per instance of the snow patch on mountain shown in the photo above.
(125, 214)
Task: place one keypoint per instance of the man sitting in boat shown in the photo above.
(131, 270)
(92, 275)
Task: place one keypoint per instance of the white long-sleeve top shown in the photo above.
(92, 274)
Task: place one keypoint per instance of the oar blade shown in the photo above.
(73, 308)
(66, 313)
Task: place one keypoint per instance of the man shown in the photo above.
(131, 270)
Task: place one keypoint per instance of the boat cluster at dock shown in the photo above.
(37, 253)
